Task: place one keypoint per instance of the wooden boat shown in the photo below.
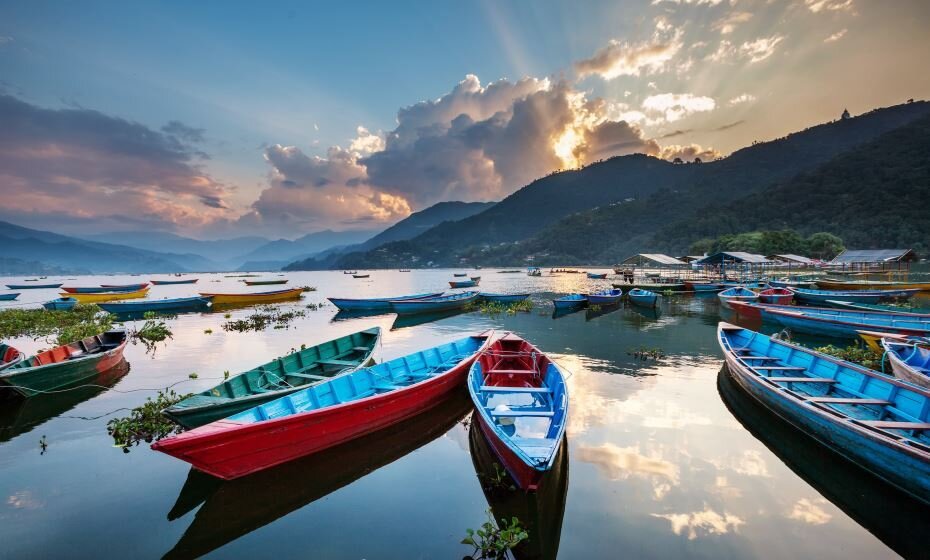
(360, 275)
(9, 297)
(878, 422)
(460, 274)
(909, 361)
(463, 284)
(350, 272)
(256, 297)
(9, 356)
(605, 297)
(657, 287)
(171, 282)
(570, 301)
(194, 303)
(835, 284)
(703, 286)
(281, 376)
(327, 414)
(776, 295)
(839, 323)
(522, 407)
(873, 340)
(376, 304)
(265, 282)
(533, 271)
(475, 279)
(737, 294)
(104, 288)
(878, 307)
(32, 286)
(65, 366)
(815, 297)
(594, 276)
(788, 283)
(61, 304)
(434, 304)
(502, 298)
(105, 296)
(643, 298)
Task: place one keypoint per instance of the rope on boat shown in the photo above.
(75, 388)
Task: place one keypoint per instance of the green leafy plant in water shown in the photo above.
(855, 354)
(499, 479)
(263, 318)
(208, 331)
(153, 331)
(66, 326)
(594, 307)
(494, 308)
(645, 353)
(309, 289)
(492, 542)
(146, 422)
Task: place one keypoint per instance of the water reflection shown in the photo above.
(235, 508)
(539, 512)
(19, 415)
(599, 311)
(892, 516)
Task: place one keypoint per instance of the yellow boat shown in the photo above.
(106, 296)
(832, 284)
(256, 297)
(873, 339)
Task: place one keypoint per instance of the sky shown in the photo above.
(220, 119)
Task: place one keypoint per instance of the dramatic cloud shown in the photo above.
(628, 59)
(98, 167)
(828, 5)
(761, 48)
(836, 36)
(688, 153)
(729, 23)
(675, 106)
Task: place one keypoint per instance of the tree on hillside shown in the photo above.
(824, 246)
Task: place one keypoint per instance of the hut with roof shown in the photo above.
(874, 260)
(735, 265)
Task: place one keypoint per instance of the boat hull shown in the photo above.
(261, 297)
(60, 304)
(900, 367)
(376, 304)
(840, 326)
(878, 285)
(463, 284)
(643, 298)
(32, 286)
(569, 303)
(9, 297)
(526, 477)
(105, 289)
(180, 304)
(109, 296)
(504, 298)
(445, 303)
(172, 282)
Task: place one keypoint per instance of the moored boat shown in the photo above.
(503, 298)
(265, 282)
(776, 295)
(360, 275)
(605, 297)
(839, 323)
(67, 365)
(834, 284)
(878, 307)
(9, 297)
(376, 304)
(643, 298)
(878, 422)
(873, 339)
(703, 286)
(256, 297)
(789, 283)
(816, 297)
(433, 304)
(32, 286)
(735, 294)
(909, 361)
(9, 356)
(171, 282)
(460, 274)
(522, 407)
(658, 287)
(61, 304)
(327, 414)
(98, 297)
(570, 301)
(596, 276)
(463, 284)
(281, 376)
(104, 288)
(194, 303)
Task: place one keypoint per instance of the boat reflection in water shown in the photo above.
(539, 512)
(19, 415)
(897, 519)
(236, 508)
(601, 310)
(557, 313)
(412, 320)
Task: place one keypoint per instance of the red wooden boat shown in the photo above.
(328, 413)
(746, 309)
(776, 295)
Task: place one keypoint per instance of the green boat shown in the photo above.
(277, 378)
(66, 366)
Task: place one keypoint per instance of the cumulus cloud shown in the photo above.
(742, 98)
(90, 165)
(729, 23)
(761, 48)
(836, 36)
(675, 106)
(620, 58)
(828, 5)
(688, 152)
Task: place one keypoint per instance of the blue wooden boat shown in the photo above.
(594, 276)
(878, 307)
(909, 361)
(32, 286)
(173, 282)
(737, 293)
(605, 297)
(61, 304)
(503, 298)
(643, 298)
(9, 297)
(433, 304)
(875, 421)
(160, 305)
(816, 297)
(105, 288)
(792, 283)
(376, 304)
(522, 407)
(460, 274)
(840, 323)
(703, 287)
(463, 284)
(570, 301)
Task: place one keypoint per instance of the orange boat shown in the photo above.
(256, 297)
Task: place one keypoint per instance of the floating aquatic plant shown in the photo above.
(855, 354)
(66, 326)
(263, 318)
(495, 543)
(145, 422)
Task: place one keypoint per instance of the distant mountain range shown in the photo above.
(218, 251)
(610, 210)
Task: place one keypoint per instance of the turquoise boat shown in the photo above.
(61, 304)
(434, 304)
(195, 303)
(570, 301)
(9, 297)
(32, 286)
(816, 297)
(281, 376)
(878, 422)
(605, 297)
(841, 323)
(376, 304)
(643, 298)
(739, 294)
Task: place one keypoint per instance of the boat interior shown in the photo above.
(79, 349)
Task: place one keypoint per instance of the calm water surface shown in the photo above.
(664, 458)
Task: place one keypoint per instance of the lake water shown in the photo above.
(664, 458)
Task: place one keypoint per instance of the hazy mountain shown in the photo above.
(219, 251)
(75, 254)
(632, 197)
(303, 247)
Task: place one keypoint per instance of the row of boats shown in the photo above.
(636, 296)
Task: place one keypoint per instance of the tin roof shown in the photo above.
(734, 256)
(792, 258)
(657, 258)
(875, 256)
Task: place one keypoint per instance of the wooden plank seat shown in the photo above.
(800, 379)
(384, 386)
(335, 362)
(495, 389)
(510, 371)
(761, 358)
(779, 368)
(308, 376)
(360, 349)
(848, 400)
(518, 413)
(891, 425)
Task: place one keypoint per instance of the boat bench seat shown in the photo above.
(800, 379)
(889, 425)
(201, 400)
(516, 413)
(494, 389)
(361, 349)
(509, 371)
(308, 376)
(344, 363)
(847, 400)
(780, 368)
(762, 358)
(382, 386)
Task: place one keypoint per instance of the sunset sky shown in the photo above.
(214, 120)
